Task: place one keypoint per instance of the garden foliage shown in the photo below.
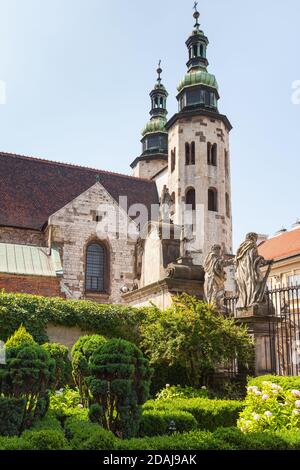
(193, 335)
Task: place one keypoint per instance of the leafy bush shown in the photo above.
(63, 368)
(48, 422)
(194, 335)
(63, 402)
(176, 391)
(11, 416)
(258, 441)
(84, 435)
(270, 407)
(19, 338)
(45, 439)
(118, 384)
(28, 375)
(209, 414)
(82, 351)
(35, 312)
(156, 423)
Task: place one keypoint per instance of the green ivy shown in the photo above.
(35, 313)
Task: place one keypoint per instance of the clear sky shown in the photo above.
(78, 74)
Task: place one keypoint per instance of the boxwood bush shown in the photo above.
(209, 414)
(84, 435)
(157, 422)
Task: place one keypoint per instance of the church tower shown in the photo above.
(199, 158)
(154, 141)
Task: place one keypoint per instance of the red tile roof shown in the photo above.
(281, 246)
(32, 189)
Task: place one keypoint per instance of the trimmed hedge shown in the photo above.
(157, 422)
(209, 414)
(45, 439)
(35, 312)
(287, 383)
(84, 435)
(221, 439)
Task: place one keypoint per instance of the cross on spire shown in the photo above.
(159, 72)
(196, 15)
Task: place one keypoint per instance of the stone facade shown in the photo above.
(75, 226)
(149, 168)
(216, 227)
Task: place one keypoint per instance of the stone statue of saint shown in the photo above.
(251, 282)
(215, 277)
(166, 203)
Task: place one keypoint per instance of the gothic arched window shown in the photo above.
(96, 279)
(214, 155)
(193, 153)
(213, 200)
(190, 198)
(227, 202)
(187, 153)
(173, 159)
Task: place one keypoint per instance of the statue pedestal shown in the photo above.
(260, 321)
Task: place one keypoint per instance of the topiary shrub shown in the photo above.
(19, 338)
(63, 367)
(28, 375)
(84, 435)
(82, 351)
(119, 385)
(157, 423)
(11, 416)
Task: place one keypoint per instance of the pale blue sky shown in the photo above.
(78, 74)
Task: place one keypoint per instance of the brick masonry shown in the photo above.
(36, 285)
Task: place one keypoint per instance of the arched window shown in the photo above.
(190, 198)
(227, 202)
(226, 163)
(208, 153)
(213, 200)
(193, 153)
(214, 155)
(173, 159)
(96, 258)
(187, 154)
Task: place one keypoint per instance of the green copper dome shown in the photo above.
(157, 124)
(198, 78)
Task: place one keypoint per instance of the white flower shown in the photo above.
(257, 392)
(265, 396)
(252, 388)
(296, 412)
(297, 403)
(203, 388)
(167, 385)
(256, 416)
(80, 405)
(265, 382)
(268, 414)
(296, 393)
(276, 387)
(58, 393)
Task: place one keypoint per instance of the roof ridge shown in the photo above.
(71, 165)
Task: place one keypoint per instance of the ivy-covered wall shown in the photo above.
(36, 313)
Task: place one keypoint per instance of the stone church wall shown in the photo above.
(83, 221)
